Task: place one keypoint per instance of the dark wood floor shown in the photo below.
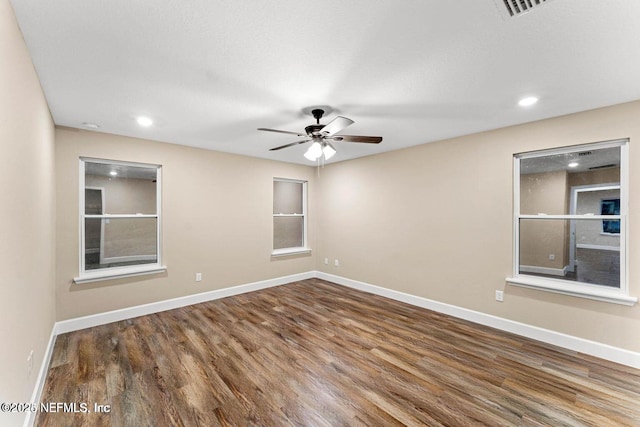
(313, 353)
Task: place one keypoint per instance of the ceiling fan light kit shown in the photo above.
(323, 135)
(314, 152)
(328, 151)
(318, 150)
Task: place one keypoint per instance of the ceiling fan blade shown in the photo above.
(283, 131)
(336, 125)
(290, 145)
(357, 138)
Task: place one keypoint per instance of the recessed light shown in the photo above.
(528, 101)
(90, 125)
(144, 121)
(572, 164)
(113, 173)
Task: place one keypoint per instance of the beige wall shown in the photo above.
(27, 305)
(436, 221)
(217, 220)
(602, 176)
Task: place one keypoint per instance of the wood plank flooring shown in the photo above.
(312, 353)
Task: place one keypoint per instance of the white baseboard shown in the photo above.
(78, 323)
(42, 376)
(593, 348)
(603, 351)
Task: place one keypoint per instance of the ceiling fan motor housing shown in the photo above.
(325, 134)
(313, 129)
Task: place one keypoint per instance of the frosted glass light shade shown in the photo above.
(328, 151)
(314, 152)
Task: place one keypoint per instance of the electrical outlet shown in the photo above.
(336, 263)
(30, 363)
(326, 261)
(552, 257)
(198, 277)
(500, 296)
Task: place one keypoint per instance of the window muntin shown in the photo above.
(559, 240)
(289, 216)
(119, 219)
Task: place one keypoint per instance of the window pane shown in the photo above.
(574, 250)
(92, 201)
(547, 182)
(287, 197)
(117, 242)
(121, 189)
(610, 207)
(288, 232)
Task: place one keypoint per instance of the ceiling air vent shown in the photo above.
(612, 165)
(518, 7)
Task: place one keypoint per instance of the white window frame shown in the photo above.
(86, 276)
(304, 249)
(568, 287)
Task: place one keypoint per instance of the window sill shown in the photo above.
(594, 292)
(290, 251)
(118, 273)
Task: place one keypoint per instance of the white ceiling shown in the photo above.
(413, 71)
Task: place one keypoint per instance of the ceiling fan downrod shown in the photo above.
(317, 114)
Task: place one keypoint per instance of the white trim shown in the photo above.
(598, 247)
(294, 250)
(81, 213)
(624, 212)
(593, 348)
(543, 270)
(572, 148)
(575, 289)
(42, 376)
(596, 349)
(561, 285)
(86, 276)
(290, 251)
(516, 213)
(118, 273)
(78, 323)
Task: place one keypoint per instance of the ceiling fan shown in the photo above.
(323, 135)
